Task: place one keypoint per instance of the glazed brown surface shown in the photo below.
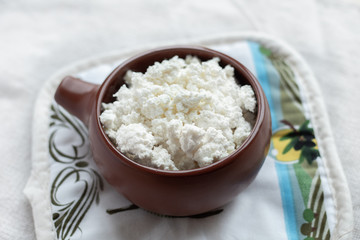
(176, 193)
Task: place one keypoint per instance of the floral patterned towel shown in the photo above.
(300, 193)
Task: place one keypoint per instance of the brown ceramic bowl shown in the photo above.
(175, 193)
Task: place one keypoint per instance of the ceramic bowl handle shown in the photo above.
(77, 97)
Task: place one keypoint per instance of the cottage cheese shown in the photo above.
(180, 114)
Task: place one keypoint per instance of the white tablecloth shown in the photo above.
(39, 37)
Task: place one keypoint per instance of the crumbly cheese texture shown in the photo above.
(180, 114)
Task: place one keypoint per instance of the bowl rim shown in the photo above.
(240, 68)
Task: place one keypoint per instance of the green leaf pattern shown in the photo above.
(315, 216)
(74, 169)
(300, 138)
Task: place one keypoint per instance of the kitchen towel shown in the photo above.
(300, 192)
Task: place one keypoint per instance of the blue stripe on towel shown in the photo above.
(281, 169)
